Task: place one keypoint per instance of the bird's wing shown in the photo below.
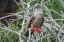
(30, 21)
(42, 21)
(29, 25)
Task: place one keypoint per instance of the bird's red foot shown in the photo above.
(33, 29)
(39, 30)
(36, 29)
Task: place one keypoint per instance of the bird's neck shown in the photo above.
(38, 12)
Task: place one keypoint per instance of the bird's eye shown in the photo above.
(38, 5)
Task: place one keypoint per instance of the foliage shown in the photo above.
(52, 26)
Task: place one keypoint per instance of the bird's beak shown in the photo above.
(35, 6)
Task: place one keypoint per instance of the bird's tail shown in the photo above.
(27, 33)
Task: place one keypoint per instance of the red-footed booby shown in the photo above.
(36, 20)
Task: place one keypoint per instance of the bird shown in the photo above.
(36, 20)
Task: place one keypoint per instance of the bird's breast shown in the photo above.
(38, 14)
(37, 22)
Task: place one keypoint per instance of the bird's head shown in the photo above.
(37, 6)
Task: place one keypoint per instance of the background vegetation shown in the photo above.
(53, 27)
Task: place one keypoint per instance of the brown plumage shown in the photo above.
(36, 19)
